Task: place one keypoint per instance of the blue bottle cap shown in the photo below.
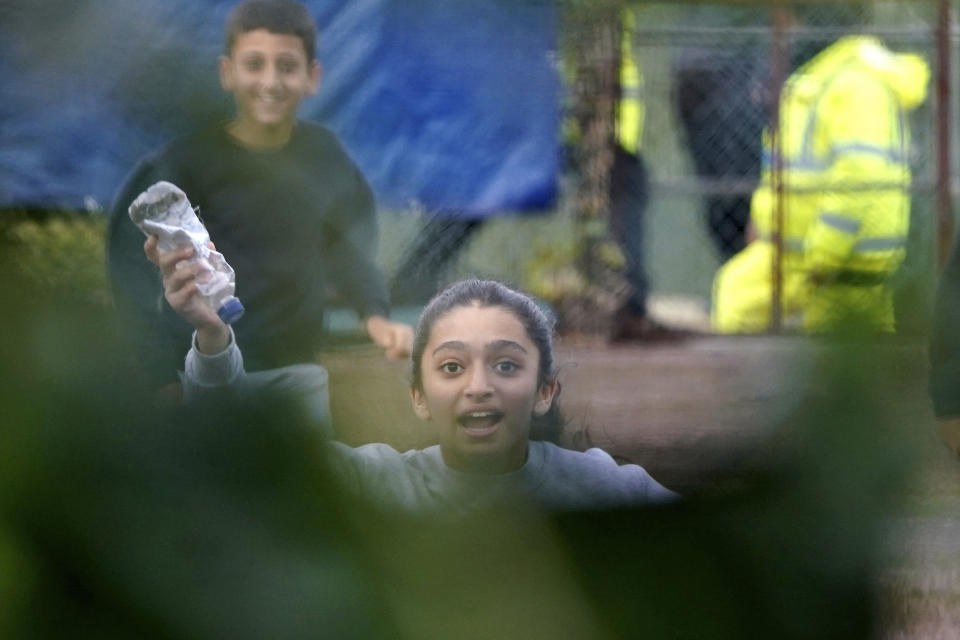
(230, 311)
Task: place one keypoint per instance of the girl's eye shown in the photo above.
(451, 367)
(506, 366)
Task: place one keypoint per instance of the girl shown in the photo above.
(483, 375)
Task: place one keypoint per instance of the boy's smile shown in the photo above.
(268, 75)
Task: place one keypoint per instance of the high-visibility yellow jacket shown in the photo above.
(844, 138)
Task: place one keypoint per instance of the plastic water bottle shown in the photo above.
(163, 210)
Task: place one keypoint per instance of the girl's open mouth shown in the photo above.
(480, 424)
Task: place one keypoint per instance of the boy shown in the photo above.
(281, 199)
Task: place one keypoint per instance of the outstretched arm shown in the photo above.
(214, 360)
(180, 290)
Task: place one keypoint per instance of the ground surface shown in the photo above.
(697, 414)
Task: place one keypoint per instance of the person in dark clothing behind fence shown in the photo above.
(629, 199)
(945, 354)
(282, 200)
(721, 102)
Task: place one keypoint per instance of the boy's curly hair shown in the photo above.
(286, 17)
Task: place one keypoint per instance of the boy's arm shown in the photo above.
(395, 338)
(351, 260)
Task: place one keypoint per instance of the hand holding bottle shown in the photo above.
(181, 290)
(164, 211)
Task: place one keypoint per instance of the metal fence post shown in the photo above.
(779, 72)
(944, 235)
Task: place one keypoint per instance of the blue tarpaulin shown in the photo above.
(451, 107)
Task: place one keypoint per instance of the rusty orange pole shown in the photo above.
(944, 236)
(778, 78)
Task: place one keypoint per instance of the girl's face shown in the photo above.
(480, 386)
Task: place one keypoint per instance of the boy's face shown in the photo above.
(268, 75)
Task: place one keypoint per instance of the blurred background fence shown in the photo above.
(707, 90)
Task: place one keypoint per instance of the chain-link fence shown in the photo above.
(708, 78)
(712, 75)
(714, 79)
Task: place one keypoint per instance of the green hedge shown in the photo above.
(58, 254)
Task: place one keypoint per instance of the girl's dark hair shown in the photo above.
(285, 17)
(490, 293)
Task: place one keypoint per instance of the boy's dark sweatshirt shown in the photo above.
(297, 224)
